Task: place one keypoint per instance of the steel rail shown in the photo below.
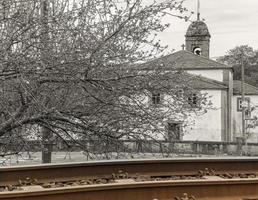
(142, 166)
(209, 188)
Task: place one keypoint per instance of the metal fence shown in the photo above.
(138, 146)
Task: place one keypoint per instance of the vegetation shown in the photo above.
(68, 68)
(250, 58)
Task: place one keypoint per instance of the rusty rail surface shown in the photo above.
(141, 166)
(207, 189)
(165, 179)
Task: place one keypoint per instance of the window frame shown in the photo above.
(239, 103)
(156, 98)
(176, 124)
(248, 108)
(197, 48)
(193, 100)
(180, 94)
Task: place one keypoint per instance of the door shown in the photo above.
(174, 131)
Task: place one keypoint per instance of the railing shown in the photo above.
(140, 146)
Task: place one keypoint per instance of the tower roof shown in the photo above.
(197, 28)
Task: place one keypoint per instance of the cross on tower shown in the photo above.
(183, 46)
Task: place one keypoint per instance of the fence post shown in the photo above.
(239, 145)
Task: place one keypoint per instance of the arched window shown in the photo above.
(197, 51)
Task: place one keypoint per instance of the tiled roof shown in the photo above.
(249, 89)
(200, 82)
(184, 60)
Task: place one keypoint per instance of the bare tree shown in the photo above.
(77, 70)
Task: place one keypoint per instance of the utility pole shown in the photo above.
(46, 133)
(243, 94)
(240, 139)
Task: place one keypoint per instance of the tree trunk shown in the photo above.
(46, 133)
(47, 145)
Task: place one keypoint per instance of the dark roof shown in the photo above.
(183, 60)
(200, 82)
(249, 89)
(197, 28)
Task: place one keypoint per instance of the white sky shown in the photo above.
(230, 22)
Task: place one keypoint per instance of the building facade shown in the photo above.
(224, 121)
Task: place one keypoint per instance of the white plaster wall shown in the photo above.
(237, 119)
(207, 127)
(200, 127)
(216, 74)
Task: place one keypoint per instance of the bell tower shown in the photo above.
(197, 38)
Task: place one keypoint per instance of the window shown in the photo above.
(197, 51)
(180, 94)
(246, 103)
(193, 100)
(174, 131)
(156, 98)
(248, 113)
(246, 106)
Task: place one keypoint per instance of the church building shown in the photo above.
(224, 122)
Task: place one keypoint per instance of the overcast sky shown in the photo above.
(230, 22)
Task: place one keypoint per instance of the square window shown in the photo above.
(246, 106)
(193, 100)
(246, 103)
(156, 98)
(180, 94)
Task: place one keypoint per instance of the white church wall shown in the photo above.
(207, 127)
(237, 119)
(216, 74)
(200, 126)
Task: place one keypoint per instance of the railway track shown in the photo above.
(166, 179)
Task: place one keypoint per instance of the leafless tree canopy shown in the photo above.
(69, 66)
